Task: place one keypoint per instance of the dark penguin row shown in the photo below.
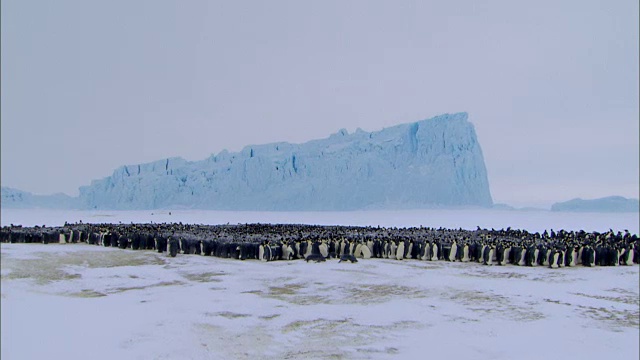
(269, 242)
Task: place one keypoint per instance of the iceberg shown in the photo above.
(18, 199)
(605, 204)
(430, 163)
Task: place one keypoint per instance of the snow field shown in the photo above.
(78, 301)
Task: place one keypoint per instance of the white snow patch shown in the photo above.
(81, 301)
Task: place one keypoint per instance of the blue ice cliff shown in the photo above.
(434, 162)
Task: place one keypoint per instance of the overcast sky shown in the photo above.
(551, 86)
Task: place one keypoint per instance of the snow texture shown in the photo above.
(469, 219)
(606, 204)
(434, 162)
(81, 301)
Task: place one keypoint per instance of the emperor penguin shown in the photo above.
(358, 249)
(465, 253)
(536, 254)
(261, 252)
(523, 257)
(324, 249)
(400, 251)
(434, 252)
(365, 251)
(554, 259)
(454, 251)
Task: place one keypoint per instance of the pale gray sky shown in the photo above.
(551, 86)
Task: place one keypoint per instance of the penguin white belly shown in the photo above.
(629, 258)
(358, 251)
(61, 239)
(574, 256)
(562, 257)
(490, 257)
(452, 254)
(400, 251)
(434, 252)
(366, 253)
(425, 255)
(261, 253)
(481, 257)
(617, 262)
(522, 261)
(579, 258)
(308, 252)
(324, 250)
(536, 254)
(505, 256)
(465, 254)
(410, 249)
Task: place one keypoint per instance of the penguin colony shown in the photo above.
(269, 242)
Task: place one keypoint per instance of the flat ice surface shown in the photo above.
(87, 302)
(78, 301)
(533, 221)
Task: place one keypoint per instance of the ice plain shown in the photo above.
(79, 301)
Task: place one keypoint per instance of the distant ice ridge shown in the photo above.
(433, 162)
(606, 204)
(14, 198)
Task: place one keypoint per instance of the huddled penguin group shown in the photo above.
(268, 242)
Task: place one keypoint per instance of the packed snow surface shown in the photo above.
(78, 301)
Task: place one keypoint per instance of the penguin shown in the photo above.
(357, 252)
(627, 256)
(349, 258)
(434, 252)
(324, 249)
(261, 252)
(487, 255)
(573, 256)
(268, 252)
(315, 257)
(400, 251)
(554, 259)
(523, 255)
(394, 250)
(288, 252)
(426, 251)
(365, 252)
(454, 251)
(465, 253)
(370, 245)
(481, 254)
(174, 246)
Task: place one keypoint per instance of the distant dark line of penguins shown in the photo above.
(269, 242)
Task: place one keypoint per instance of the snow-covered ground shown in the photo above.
(534, 220)
(79, 301)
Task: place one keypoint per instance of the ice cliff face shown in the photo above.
(434, 162)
